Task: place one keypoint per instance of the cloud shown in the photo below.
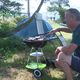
(33, 6)
(75, 4)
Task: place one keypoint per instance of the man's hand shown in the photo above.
(68, 50)
(58, 50)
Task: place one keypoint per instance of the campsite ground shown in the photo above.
(13, 67)
(11, 70)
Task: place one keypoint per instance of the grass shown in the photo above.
(14, 69)
(12, 66)
(67, 36)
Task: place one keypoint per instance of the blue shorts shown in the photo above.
(75, 63)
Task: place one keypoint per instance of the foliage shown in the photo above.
(19, 18)
(13, 60)
(59, 7)
(5, 27)
(10, 44)
(10, 7)
(61, 12)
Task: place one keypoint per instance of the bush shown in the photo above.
(6, 27)
(19, 18)
(10, 44)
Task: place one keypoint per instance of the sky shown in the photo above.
(34, 4)
(75, 4)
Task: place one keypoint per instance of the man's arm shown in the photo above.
(67, 49)
(67, 30)
(62, 29)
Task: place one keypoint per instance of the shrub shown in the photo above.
(10, 44)
(19, 18)
(6, 27)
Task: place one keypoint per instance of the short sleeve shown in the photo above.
(76, 38)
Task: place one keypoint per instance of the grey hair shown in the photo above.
(75, 13)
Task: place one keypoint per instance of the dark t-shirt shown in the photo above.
(76, 40)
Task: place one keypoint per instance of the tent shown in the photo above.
(35, 28)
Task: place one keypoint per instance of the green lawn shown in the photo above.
(67, 36)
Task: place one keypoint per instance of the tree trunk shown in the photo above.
(26, 23)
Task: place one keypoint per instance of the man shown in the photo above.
(66, 60)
